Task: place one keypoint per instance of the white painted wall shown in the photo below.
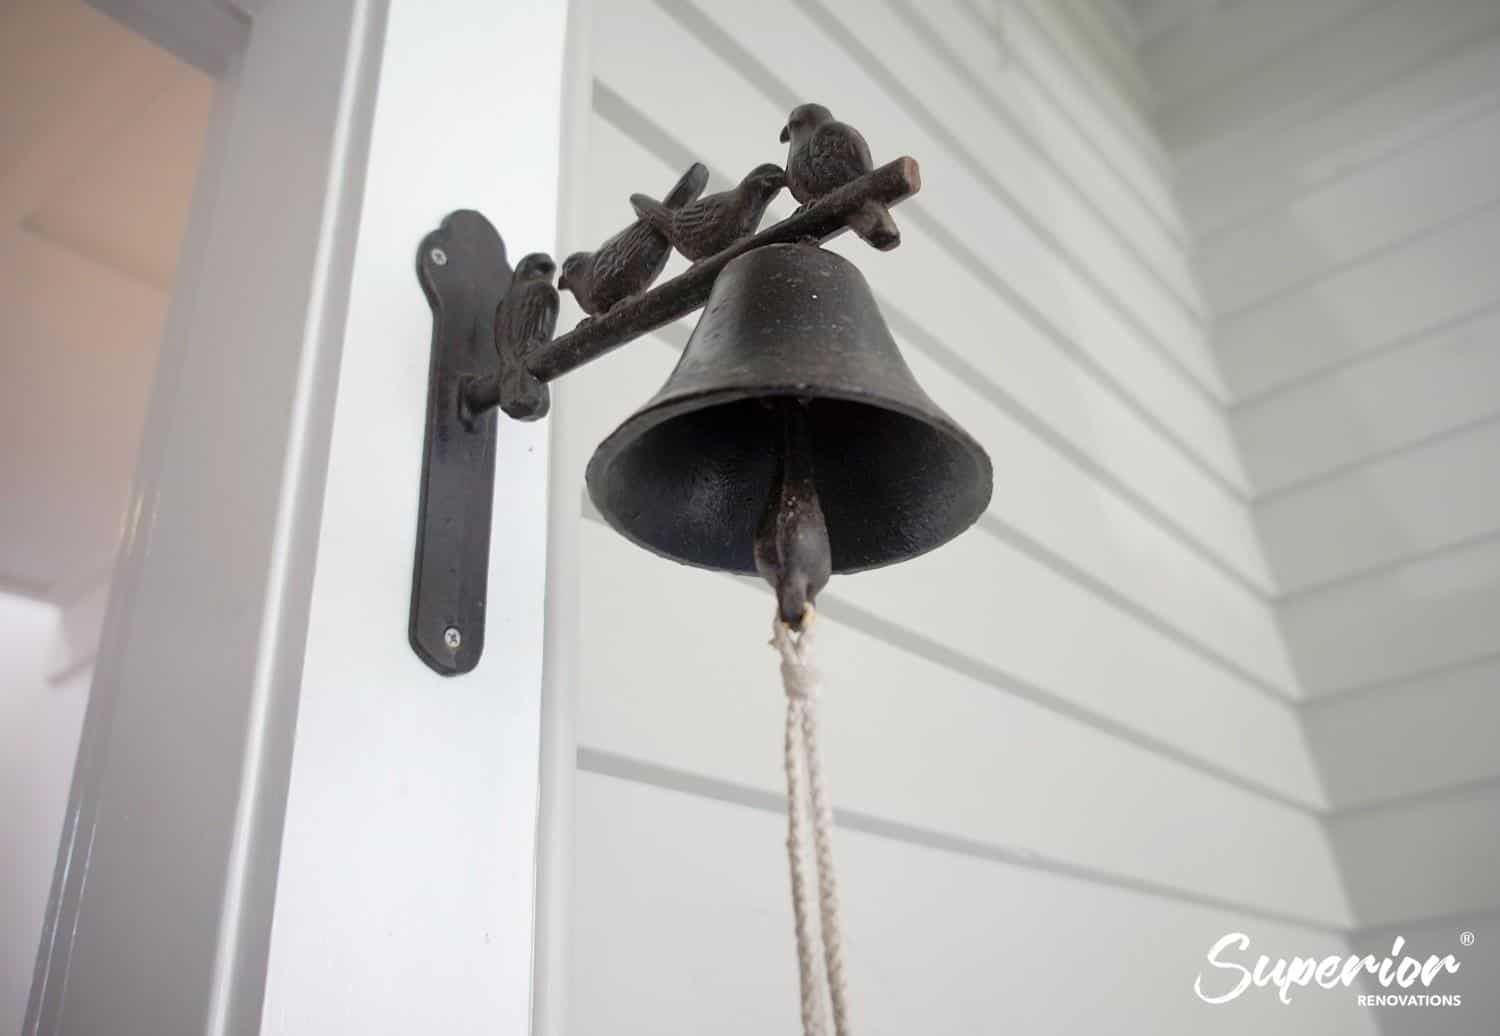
(43, 692)
(1070, 734)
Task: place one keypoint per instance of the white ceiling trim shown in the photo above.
(204, 33)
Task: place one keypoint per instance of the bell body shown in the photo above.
(688, 476)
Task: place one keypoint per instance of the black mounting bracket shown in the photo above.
(464, 273)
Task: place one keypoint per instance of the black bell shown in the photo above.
(690, 474)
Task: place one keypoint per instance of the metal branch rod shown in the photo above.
(891, 183)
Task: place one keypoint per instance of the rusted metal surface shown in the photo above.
(716, 221)
(823, 155)
(791, 439)
(524, 321)
(671, 300)
(464, 273)
(692, 474)
(792, 551)
(630, 261)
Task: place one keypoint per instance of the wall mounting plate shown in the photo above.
(464, 273)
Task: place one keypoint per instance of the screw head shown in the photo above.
(452, 637)
(438, 257)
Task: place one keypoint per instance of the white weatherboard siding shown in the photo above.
(1337, 167)
(1436, 493)
(1231, 186)
(1075, 728)
(1373, 43)
(1215, 42)
(1409, 739)
(1329, 226)
(1039, 26)
(1425, 616)
(1352, 312)
(1444, 381)
(1023, 43)
(1453, 877)
(688, 930)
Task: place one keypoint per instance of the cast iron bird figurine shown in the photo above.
(627, 263)
(524, 320)
(715, 221)
(825, 155)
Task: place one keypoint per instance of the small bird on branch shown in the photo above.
(826, 154)
(628, 263)
(525, 320)
(714, 222)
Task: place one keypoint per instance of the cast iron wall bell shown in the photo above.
(790, 440)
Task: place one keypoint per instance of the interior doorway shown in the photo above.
(101, 135)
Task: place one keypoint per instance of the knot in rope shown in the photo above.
(800, 678)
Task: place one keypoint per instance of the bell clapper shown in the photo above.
(791, 544)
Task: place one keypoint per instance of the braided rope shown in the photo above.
(802, 913)
(807, 792)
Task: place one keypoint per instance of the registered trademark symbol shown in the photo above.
(1466, 938)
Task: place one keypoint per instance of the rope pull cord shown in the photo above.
(807, 793)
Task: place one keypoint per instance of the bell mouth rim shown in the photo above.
(659, 413)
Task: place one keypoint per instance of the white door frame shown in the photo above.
(281, 820)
